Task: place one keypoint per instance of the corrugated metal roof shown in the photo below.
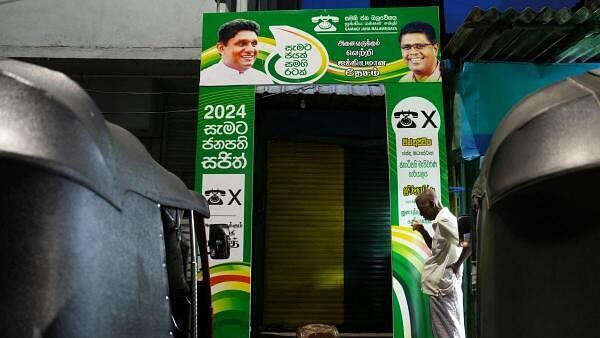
(546, 36)
(354, 90)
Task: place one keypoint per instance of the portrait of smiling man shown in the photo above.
(238, 45)
(419, 49)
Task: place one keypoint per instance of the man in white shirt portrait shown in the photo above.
(419, 49)
(238, 46)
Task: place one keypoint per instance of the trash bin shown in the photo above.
(317, 331)
(538, 270)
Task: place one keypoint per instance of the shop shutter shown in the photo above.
(304, 235)
(368, 306)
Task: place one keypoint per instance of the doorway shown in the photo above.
(322, 212)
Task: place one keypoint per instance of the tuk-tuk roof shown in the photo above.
(551, 132)
(47, 120)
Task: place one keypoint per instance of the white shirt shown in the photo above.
(436, 76)
(222, 75)
(437, 277)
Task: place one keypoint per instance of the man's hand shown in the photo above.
(416, 225)
(475, 203)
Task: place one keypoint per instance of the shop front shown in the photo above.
(311, 184)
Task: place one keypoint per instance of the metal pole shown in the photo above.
(194, 244)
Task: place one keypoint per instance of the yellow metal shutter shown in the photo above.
(304, 235)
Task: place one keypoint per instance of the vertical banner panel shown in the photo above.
(224, 160)
(417, 157)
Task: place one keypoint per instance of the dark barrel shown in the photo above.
(539, 233)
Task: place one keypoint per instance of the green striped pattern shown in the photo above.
(230, 286)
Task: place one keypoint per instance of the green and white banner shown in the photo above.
(224, 162)
(417, 160)
(394, 46)
(294, 47)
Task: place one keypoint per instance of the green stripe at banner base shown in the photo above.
(232, 314)
(418, 303)
(398, 320)
(227, 324)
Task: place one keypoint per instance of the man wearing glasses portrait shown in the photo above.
(419, 49)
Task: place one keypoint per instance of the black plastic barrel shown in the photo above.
(539, 232)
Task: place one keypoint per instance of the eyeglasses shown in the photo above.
(417, 46)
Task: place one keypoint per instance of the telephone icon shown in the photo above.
(214, 196)
(325, 23)
(406, 119)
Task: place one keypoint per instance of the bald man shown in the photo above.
(441, 275)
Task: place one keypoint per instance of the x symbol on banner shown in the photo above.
(429, 119)
(234, 196)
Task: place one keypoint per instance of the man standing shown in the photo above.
(419, 50)
(238, 42)
(441, 275)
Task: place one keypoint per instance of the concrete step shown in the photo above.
(342, 335)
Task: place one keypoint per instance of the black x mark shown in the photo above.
(234, 196)
(429, 119)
